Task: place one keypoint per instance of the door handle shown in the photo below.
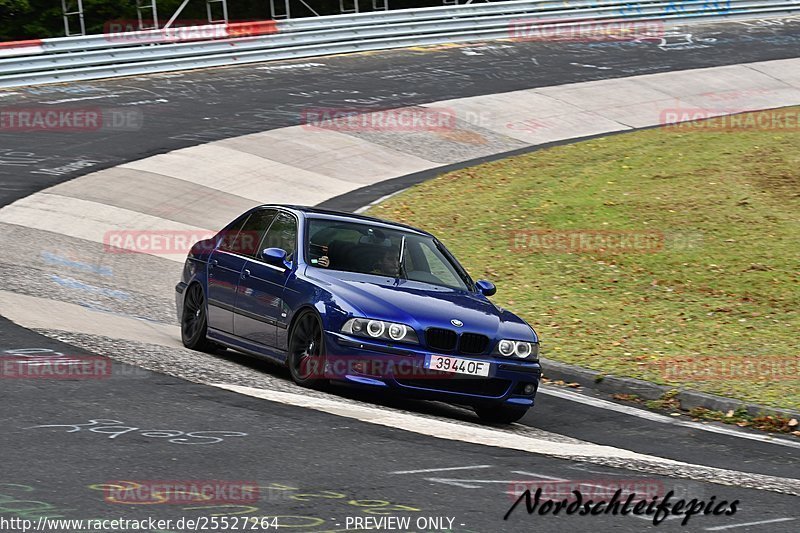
(213, 262)
(245, 273)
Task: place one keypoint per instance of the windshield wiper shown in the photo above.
(401, 267)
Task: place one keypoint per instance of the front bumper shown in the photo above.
(401, 369)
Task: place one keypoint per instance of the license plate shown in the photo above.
(457, 365)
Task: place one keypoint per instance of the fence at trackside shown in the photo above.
(117, 53)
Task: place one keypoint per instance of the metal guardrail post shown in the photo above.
(343, 9)
(276, 13)
(141, 7)
(286, 14)
(209, 9)
(68, 11)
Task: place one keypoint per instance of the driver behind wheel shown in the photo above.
(387, 263)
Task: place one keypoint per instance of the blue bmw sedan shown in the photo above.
(349, 298)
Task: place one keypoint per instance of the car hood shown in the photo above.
(419, 305)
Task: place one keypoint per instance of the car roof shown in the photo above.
(329, 214)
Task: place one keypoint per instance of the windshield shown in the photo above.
(373, 249)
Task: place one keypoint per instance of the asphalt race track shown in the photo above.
(314, 470)
(317, 471)
(207, 105)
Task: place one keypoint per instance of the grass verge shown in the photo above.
(670, 256)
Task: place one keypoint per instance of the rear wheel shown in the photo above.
(500, 414)
(306, 351)
(193, 320)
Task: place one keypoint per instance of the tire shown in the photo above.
(500, 414)
(194, 324)
(306, 358)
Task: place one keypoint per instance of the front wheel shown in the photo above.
(193, 320)
(307, 351)
(500, 414)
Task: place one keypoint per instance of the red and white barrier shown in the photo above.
(21, 48)
(124, 33)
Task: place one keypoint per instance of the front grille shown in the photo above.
(480, 387)
(441, 339)
(446, 340)
(473, 343)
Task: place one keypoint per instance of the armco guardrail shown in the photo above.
(132, 53)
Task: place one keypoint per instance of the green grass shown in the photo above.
(724, 284)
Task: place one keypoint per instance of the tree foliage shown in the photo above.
(37, 19)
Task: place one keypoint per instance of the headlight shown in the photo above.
(397, 331)
(519, 349)
(506, 348)
(523, 350)
(378, 329)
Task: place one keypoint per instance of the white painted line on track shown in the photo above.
(477, 483)
(80, 99)
(443, 428)
(583, 451)
(450, 469)
(650, 519)
(584, 468)
(506, 481)
(58, 362)
(540, 476)
(382, 199)
(655, 417)
(463, 483)
(723, 528)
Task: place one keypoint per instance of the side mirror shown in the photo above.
(275, 256)
(486, 288)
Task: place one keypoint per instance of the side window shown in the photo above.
(282, 234)
(246, 242)
(228, 235)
